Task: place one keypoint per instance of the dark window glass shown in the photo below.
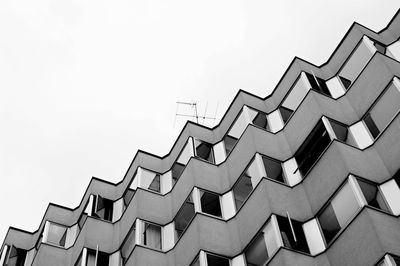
(229, 142)
(128, 196)
(273, 169)
(318, 84)
(213, 260)
(177, 170)
(103, 259)
(396, 177)
(380, 47)
(312, 148)
(155, 184)
(373, 129)
(204, 150)
(285, 113)
(339, 129)
(329, 224)
(292, 234)
(210, 203)
(346, 82)
(242, 189)
(261, 120)
(152, 235)
(372, 195)
(184, 216)
(104, 208)
(16, 257)
(256, 253)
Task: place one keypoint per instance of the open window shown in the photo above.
(103, 208)
(56, 234)
(229, 142)
(151, 235)
(312, 148)
(149, 180)
(279, 231)
(210, 203)
(261, 120)
(13, 256)
(184, 216)
(91, 257)
(204, 150)
(383, 110)
(318, 84)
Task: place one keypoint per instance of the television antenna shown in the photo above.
(194, 114)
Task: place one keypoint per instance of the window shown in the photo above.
(177, 170)
(372, 195)
(318, 84)
(56, 234)
(213, 260)
(338, 212)
(128, 196)
(285, 113)
(229, 142)
(242, 189)
(396, 177)
(383, 111)
(312, 148)
(103, 208)
(273, 168)
(129, 242)
(93, 256)
(184, 216)
(13, 256)
(204, 150)
(210, 203)
(261, 120)
(149, 180)
(151, 235)
(292, 233)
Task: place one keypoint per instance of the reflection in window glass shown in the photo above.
(57, 234)
(176, 170)
(229, 143)
(261, 120)
(372, 195)
(285, 113)
(204, 150)
(151, 235)
(210, 203)
(273, 168)
(340, 130)
(184, 216)
(16, 256)
(338, 212)
(104, 208)
(383, 111)
(242, 189)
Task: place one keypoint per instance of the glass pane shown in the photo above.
(292, 234)
(204, 150)
(213, 260)
(210, 203)
(129, 242)
(242, 189)
(155, 184)
(184, 216)
(318, 84)
(229, 143)
(340, 130)
(103, 259)
(104, 208)
(273, 169)
(57, 234)
(186, 153)
(238, 126)
(152, 235)
(16, 257)
(386, 108)
(372, 195)
(256, 253)
(261, 120)
(177, 170)
(285, 113)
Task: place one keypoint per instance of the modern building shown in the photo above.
(306, 176)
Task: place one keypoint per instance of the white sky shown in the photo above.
(84, 84)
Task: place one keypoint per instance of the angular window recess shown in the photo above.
(151, 235)
(261, 120)
(380, 47)
(210, 203)
(242, 190)
(312, 148)
(184, 216)
(297, 93)
(13, 256)
(275, 121)
(273, 168)
(372, 195)
(176, 170)
(384, 109)
(89, 209)
(391, 192)
(246, 116)
(285, 113)
(339, 130)
(357, 60)
(292, 233)
(129, 242)
(338, 212)
(229, 142)
(264, 244)
(90, 257)
(213, 260)
(314, 237)
(55, 234)
(345, 82)
(186, 152)
(219, 152)
(389, 260)
(337, 87)
(204, 150)
(318, 84)
(103, 208)
(148, 179)
(128, 196)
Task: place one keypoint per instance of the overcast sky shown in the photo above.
(84, 84)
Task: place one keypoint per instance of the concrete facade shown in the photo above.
(282, 192)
